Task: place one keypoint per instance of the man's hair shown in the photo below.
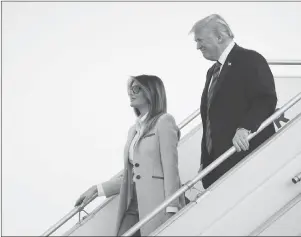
(214, 22)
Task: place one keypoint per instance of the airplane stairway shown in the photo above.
(256, 197)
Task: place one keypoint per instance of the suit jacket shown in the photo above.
(244, 97)
(155, 173)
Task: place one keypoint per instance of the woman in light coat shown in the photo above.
(151, 172)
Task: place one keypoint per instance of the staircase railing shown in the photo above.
(185, 187)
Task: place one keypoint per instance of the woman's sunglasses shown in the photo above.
(135, 89)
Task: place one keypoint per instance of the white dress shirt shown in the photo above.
(139, 129)
(223, 57)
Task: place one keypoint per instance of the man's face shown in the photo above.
(208, 43)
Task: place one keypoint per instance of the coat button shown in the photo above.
(137, 165)
(138, 176)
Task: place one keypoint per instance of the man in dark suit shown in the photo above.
(239, 95)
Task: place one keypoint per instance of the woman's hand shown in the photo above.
(86, 196)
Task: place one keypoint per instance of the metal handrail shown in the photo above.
(189, 119)
(285, 62)
(89, 216)
(211, 167)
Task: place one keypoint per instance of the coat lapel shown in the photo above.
(225, 69)
(131, 136)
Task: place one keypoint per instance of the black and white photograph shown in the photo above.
(150, 118)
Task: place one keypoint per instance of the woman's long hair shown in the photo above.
(154, 90)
